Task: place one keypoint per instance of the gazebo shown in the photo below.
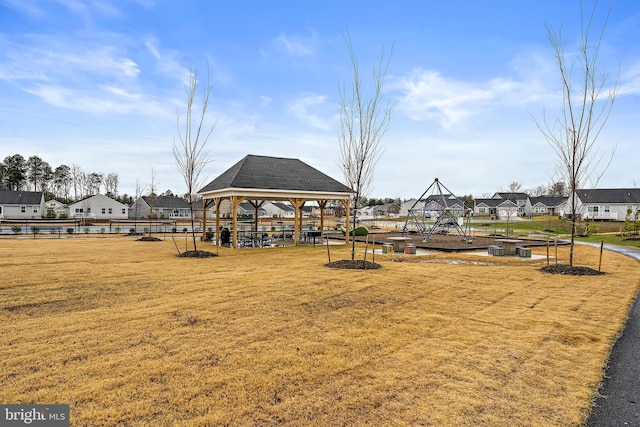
(258, 179)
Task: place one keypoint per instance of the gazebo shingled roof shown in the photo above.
(273, 178)
(274, 173)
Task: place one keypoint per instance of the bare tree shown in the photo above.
(586, 106)
(515, 187)
(151, 199)
(190, 155)
(111, 181)
(76, 179)
(136, 205)
(363, 123)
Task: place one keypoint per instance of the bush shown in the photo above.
(102, 230)
(132, 230)
(184, 230)
(16, 229)
(35, 230)
(86, 230)
(51, 214)
(69, 230)
(174, 230)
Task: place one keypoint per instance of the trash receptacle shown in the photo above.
(225, 236)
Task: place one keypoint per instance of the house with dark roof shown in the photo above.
(521, 200)
(496, 208)
(548, 205)
(21, 204)
(435, 204)
(169, 207)
(606, 203)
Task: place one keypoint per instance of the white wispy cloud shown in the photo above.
(86, 9)
(166, 61)
(429, 95)
(25, 7)
(88, 77)
(104, 99)
(42, 59)
(302, 108)
(265, 101)
(629, 83)
(297, 46)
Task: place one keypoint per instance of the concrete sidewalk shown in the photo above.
(619, 400)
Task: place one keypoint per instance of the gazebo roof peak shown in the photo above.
(274, 173)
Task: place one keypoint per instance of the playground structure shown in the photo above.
(449, 212)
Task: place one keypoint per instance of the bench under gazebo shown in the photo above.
(258, 179)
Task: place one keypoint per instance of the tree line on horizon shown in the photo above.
(70, 183)
(64, 183)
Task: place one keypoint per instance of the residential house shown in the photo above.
(161, 207)
(21, 204)
(54, 209)
(433, 205)
(496, 208)
(410, 204)
(521, 200)
(388, 209)
(278, 210)
(606, 204)
(548, 205)
(98, 207)
(310, 211)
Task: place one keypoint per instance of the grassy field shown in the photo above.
(129, 334)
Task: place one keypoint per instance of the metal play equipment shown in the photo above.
(448, 210)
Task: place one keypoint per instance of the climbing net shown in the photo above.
(448, 211)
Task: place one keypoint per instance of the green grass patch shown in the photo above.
(613, 239)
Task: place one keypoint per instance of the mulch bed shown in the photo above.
(197, 254)
(149, 239)
(572, 271)
(355, 264)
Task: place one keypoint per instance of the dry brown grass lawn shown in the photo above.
(129, 334)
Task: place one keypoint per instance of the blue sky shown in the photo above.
(98, 83)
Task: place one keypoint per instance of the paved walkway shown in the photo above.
(619, 400)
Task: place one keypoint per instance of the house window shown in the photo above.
(35, 209)
(88, 210)
(110, 211)
(104, 210)
(481, 210)
(607, 208)
(123, 211)
(79, 210)
(23, 209)
(593, 210)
